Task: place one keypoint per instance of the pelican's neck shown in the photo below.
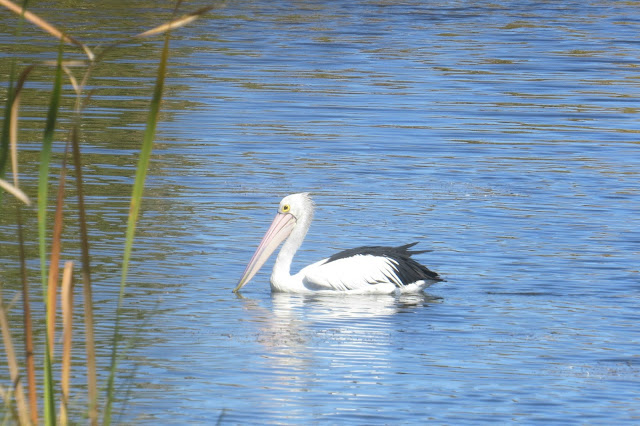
(281, 275)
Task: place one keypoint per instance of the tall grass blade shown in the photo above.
(45, 26)
(43, 182)
(72, 79)
(56, 247)
(13, 122)
(92, 382)
(4, 137)
(26, 305)
(23, 414)
(27, 324)
(6, 124)
(67, 326)
(136, 198)
(10, 137)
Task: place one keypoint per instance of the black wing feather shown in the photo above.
(407, 269)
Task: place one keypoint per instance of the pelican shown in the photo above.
(362, 270)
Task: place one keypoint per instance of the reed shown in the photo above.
(13, 366)
(67, 325)
(20, 407)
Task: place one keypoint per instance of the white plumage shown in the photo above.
(364, 270)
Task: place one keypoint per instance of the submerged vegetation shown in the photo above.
(25, 400)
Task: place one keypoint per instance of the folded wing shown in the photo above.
(359, 268)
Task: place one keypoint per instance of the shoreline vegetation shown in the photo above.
(26, 401)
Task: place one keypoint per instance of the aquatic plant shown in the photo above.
(22, 405)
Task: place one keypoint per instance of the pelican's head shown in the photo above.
(293, 209)
(298, 205)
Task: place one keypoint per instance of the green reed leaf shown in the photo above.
(134, 209)
(43, 183)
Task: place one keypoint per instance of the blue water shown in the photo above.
(504, 137)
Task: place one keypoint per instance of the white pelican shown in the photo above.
(370, 270)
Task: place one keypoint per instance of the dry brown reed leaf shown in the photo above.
(13, 124)
(16, 192)
(56, 248)
(67, 327)
(52, 293)
(72, 79)
(44, 25)
(177, 23)
(87, 297)
(23, 413)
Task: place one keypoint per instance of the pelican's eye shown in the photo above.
(286, 208)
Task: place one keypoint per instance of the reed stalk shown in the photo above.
(43, 183)
(92, 382)
(28, 413)
(67, 325)
(44, 25)
(134, 209)
(56, 247)
(23, 412)
(27, 324)
(26, 305)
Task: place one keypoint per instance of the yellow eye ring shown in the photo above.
(286, 208)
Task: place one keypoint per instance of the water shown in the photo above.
(503, 137)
